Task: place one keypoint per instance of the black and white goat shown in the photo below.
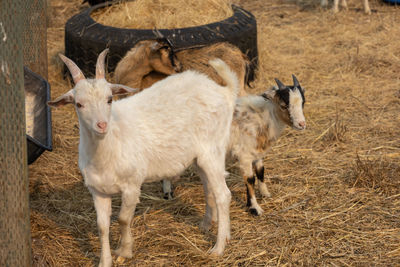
(259, 120)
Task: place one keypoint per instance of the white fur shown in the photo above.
(296, 109)
(335, 7)
(261, 113)
(154, 134)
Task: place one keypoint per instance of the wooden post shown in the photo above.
(15, 240)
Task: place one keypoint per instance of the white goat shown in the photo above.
(343, 3)
(258, 120)
(154, 134)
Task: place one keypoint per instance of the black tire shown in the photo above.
(85, 38)
(94, 2)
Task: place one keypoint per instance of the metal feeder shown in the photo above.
(38, 116)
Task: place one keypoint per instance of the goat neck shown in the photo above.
(274, 119)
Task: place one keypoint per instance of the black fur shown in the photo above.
(283, 91)
(169, 46)
(248, 196)
(302, 94)
(251, 180)
(283, 95)
(260, 174)
(253, 212)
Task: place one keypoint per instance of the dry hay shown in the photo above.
(163, 14)
(335, 187)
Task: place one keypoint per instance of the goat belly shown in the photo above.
(165, 169)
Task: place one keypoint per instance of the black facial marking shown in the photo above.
(302, 95)
(170, 48)
(283, 95)
(172, 57)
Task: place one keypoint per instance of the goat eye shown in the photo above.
(109, 101)
(79, 105)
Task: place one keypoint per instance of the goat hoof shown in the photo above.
(205, 226)
(123, 252)
(266, 195)
(216, 252)
(264, 191)
(169, 196)
(120, 260)
(255, 211)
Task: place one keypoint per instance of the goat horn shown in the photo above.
(295, 81)
(162, 38)
(158, 33)
(280, 84)
(75, 71)
(100, 70)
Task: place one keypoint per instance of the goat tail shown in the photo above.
(225, 72)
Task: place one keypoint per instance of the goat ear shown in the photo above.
(67, 98)
(157, 45)
(168, 61)
(119, 89)
(295, 81)
(269, 94)
(280, 84)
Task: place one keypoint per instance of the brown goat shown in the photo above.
(146, 63)
(150, 61)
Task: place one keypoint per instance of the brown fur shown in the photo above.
(198, 58)
(146, 63)
(263, 142)
(249, 182)
(142, 66)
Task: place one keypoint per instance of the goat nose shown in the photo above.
(302, 124)
(102, 125)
